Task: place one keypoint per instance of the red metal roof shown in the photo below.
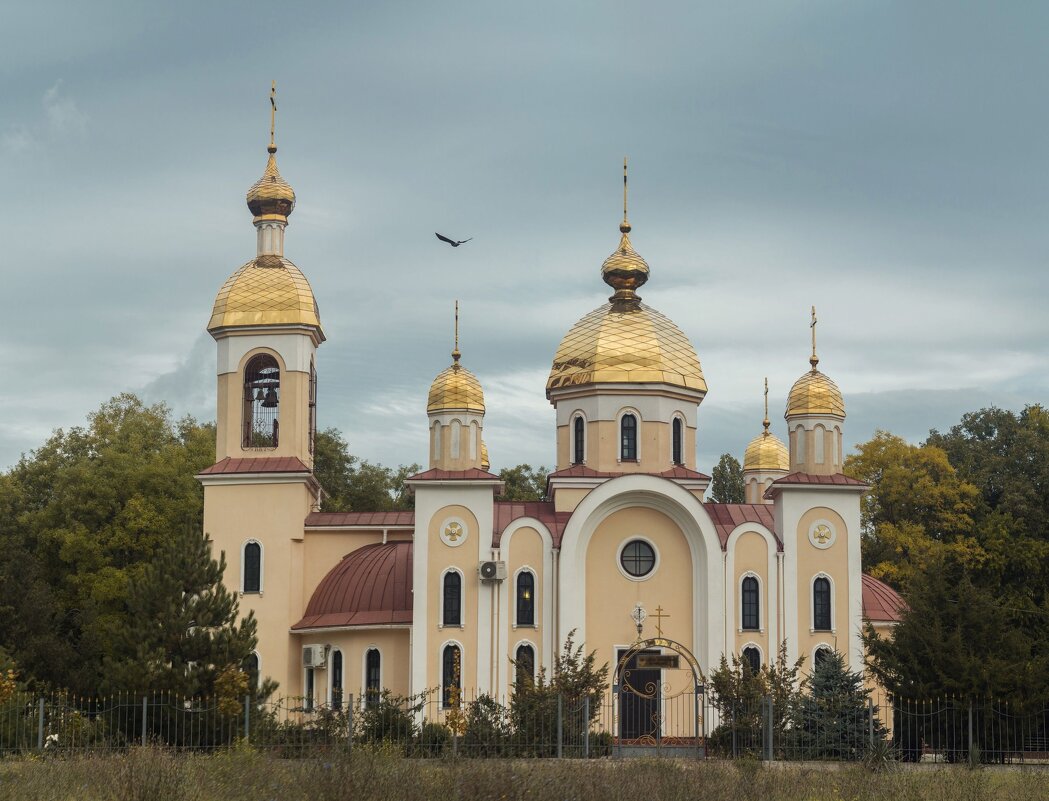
(809, 478)
(582, 471)
(471, 474)
(881, 603)
(727, 516)
(370, 586)
(376, 519)
(259, 464)
(507, 512)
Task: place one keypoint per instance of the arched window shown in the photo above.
(823, 653)
(308, 690)
(451, 677)
(261, 402)
(251, 667)
(676, 437)
(336, 679)
(524, 661)
(372, 677)
(313, 405)
(752, 658)
(525, 598)
(751, 604)
(578, 442)
(453, 599)
(821, 617)
(628, 438)
(252, 567)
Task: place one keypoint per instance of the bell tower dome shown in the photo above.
(455, 406)
(765, 460)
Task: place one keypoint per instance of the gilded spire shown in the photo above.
(765, 422)
(271, 197)
(456, 355)
(814, 359)
(625, 270)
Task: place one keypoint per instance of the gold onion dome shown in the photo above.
(625, 341)
(485, 463)
(271, 197)
(766, 452)
(268, 290)
(455, 387)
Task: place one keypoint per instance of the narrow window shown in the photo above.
(676, 428)
(578, 443)
(251, 667)
(261, 402)
(524, 661)
(313, 406)
(628, 445)
(751, 604)
(307, 701)
(525, 598)
(336, 679)
(451, 679)
(372, 677)
(821, 656)
(252, 567)
(752, 658)
(821, 604)
(453, 594)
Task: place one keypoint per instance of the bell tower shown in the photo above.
(455, 407)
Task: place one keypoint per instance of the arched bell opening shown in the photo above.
(261, 402)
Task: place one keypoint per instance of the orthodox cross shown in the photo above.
(766, 420)
(659, 615)
(273, 111)
(814, 360)
(456, 355)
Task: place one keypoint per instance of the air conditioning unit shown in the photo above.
(492, 571)
(313, 656)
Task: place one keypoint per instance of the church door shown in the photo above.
(639, 698)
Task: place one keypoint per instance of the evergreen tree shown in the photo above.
(183, 631)
(522, 483)
(833, 718)
(353, 484)
(726, 484)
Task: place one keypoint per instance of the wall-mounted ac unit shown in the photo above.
(492, 571)
(313, 656)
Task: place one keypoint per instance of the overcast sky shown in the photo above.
(886, 162)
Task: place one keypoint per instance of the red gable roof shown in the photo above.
(727, 516)
(471, 474)
(370, 586)
(881, 603)
(507, 512)
(809, 478)
(376, 519)
(259, 464)
(582, 471)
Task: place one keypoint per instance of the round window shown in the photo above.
(637, 558)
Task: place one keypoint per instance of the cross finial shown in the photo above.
(765, 422)
(814, 359)
(273, 116)
(659, 615)
(456, 355)
(624, 226)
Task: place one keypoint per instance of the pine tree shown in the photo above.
(834, 719)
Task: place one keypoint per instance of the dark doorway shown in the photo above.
(639, 697)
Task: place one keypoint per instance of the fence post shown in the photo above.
(560, 707)
(768, 730)
(349, 721)
(145, 701)
(970, 728)
(40, 725)
(247, 717)
(870, 722)
(586, 727)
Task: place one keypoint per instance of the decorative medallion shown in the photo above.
(822, 534)
(453, 532)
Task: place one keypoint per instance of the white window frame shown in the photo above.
(681, 419)
(619, 434)
(619, 558)
(761, 601)
(462, 599)
(364, 671)
(262, 566)
(752, 644)
(812, 605)
(535, 659)
(258, 673)
(577, 414)
(818, 647)
(440, 670)
(535, 598)
(330, 662)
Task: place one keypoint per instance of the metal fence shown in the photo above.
(538, 725)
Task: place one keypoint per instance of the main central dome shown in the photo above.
(626, 343)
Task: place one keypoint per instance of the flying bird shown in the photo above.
(451, 242)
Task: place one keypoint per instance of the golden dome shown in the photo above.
(268, 290)
(815, 393)
(485, 464)
(625, 271)
(455, 388)
(626, 343)
(271, 197)
(766, 452)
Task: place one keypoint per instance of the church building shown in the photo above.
(467, 590)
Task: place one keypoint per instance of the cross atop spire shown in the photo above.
(273, 117)
(456, 355)
(624, 226)
(765, 422)
(814, 359)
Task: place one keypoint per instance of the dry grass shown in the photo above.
(153, 774)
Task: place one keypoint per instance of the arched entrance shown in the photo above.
(658, 699)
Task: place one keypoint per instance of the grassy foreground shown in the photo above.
(151, 774)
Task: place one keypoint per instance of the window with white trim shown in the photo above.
(578, 440)
(252, 567)
(628, 438)
(525, 591)
(372, 677)
(451, 676)
(750, 613)
(452, 599)
(336, 678)
(821, 604)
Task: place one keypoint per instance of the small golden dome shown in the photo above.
(625, 271)
(485, 464)
(766, 452)
(815, 393)
(455, 388)
(268, 290)
(271, 197)
(627, 344)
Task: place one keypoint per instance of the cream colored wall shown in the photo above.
(602, 447)
(526, 550)
(293, 413)
(752, 556)
(834, 562)
(806, 462)
(393, 649)
(464, 557)
(463, 461)
(566, 500)
(273, 514)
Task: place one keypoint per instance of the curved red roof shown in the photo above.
(370, 586)
(881, 603)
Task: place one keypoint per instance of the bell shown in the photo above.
(271, 399)
(260, 395)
